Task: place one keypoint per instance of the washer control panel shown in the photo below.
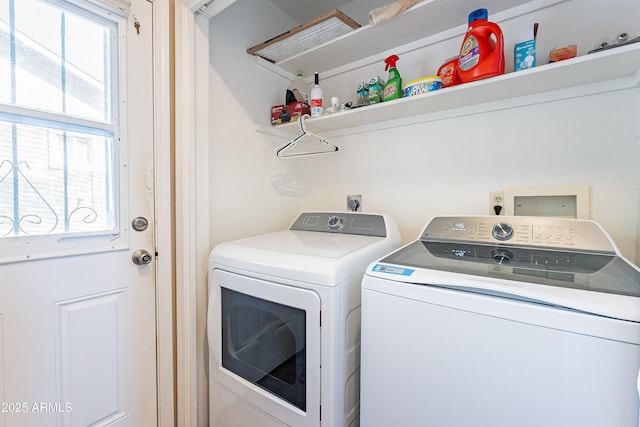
(555, 233)
(341, 222)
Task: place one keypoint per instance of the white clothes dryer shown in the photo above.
(501, 322)
(283, 321)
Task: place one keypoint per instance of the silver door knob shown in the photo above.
(141, 257)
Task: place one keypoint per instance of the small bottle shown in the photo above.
(316, 98)
(300, 89)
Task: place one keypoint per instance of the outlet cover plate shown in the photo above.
(354, 203)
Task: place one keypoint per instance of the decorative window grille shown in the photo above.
(59, 129)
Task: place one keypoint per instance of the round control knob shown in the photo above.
(502, 231)
(501, 256)
(335, 222)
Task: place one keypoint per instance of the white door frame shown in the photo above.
(192, 207)
(191, 154)
(164, 215)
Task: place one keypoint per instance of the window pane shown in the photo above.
(54, 180)
(86, 53)
(37, 56)
(5, 69)
(61, 59)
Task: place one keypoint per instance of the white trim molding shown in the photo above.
(164, 215)
(185, 201)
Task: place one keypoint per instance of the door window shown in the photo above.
(264, 343)
(59, 127)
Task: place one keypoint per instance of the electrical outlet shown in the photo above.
(496, 203)
(354, 203)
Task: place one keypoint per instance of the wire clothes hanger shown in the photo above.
(282, 151)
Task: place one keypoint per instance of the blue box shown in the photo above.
(524, 51)
(525, 55)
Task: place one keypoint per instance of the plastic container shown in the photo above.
(423, 85)
(448, 72)
(362, 94)
(375, 90)
(482, 52)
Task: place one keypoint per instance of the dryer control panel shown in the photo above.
(557, 233)
(342, 223)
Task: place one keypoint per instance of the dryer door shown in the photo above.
(265, 344)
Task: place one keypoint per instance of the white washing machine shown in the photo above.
(283, 321)
(502, 322)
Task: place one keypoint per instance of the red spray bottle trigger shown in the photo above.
(391, 62)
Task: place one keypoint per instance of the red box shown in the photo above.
(288, 113)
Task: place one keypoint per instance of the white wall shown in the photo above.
(247, 180)
(437, 167)
(450, 166)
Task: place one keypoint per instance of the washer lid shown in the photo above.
(604, 284)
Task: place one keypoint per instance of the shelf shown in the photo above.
(428, 18)
(561, 79)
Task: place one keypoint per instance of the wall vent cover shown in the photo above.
(304, 37)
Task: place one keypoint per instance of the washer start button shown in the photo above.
(502, 231)
(335, 222)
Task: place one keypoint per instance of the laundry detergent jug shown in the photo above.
(482, 52)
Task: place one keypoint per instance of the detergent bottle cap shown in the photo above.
(478, 14)
(391, 62)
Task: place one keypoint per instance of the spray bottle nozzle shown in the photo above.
(391, 62)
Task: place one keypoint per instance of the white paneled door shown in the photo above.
(77, 315)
